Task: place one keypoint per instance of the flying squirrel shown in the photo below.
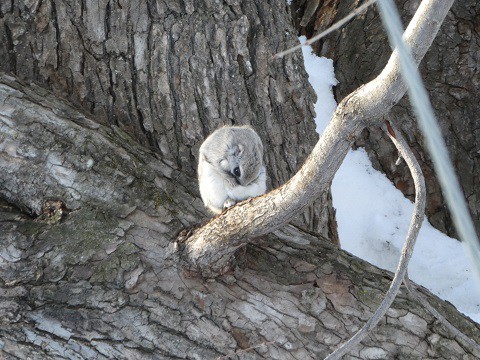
(231, 167)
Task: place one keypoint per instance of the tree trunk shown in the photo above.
(98, 274)
(360, 50)
(169, 73)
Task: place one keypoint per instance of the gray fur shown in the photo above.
(221, 153)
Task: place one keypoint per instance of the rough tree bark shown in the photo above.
(169, 73)
(451, 76)
(98, 274)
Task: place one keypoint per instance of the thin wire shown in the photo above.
(332, 28)
(431, 131)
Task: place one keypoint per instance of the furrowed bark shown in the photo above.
(453, 330)
(103, 277)
(44, 156)
(211, 247)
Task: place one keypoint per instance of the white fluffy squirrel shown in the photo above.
(230, 167)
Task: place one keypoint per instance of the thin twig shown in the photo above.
(407, 250)
(332, 28)
(419, 297)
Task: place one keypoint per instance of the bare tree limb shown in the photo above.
(414, 229)
(210, 247)
(107, 282)
(87, 176)
(133, 259)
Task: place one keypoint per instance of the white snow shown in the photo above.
(322, 78)
(373, 216)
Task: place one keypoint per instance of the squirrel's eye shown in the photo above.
(236, 172)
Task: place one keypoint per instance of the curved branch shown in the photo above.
(433, 137)
(211, 247)
(85, 265)
(414, 229)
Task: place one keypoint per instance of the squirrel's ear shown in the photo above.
(239, 150)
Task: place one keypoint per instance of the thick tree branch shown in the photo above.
(211, 247)
(48, 149)
(106, 280)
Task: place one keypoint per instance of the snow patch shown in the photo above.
(322, 78)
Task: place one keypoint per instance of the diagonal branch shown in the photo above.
(414, 229)
(433, 136)
(211, 247)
